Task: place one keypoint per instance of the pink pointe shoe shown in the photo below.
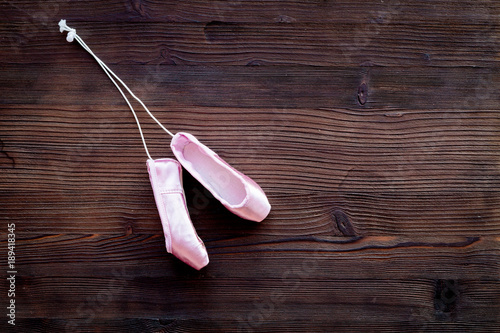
(181, 238)
(237, 192)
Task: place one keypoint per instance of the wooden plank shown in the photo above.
(418, 321)
(437, 151)
(319, 257)
(182, 298)
(288, 11)
(128, 210)
(187, 88)
(216, 43)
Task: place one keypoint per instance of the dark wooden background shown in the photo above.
(373, 126)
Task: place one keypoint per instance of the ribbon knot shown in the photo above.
(71, 32)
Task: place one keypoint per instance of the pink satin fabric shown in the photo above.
(237, 192)
(181, 238)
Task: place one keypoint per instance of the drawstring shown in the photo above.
(72, 35)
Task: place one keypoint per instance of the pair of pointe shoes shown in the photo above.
(237, 192)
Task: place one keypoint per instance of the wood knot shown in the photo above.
(129, 229)
(284, 19)
(445, 298)
(165, 53)
(362, 93)
(138, 7)
(343, 223)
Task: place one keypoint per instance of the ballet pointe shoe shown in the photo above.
(181, 238)
(237, 192)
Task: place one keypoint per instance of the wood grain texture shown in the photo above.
(373, 126)
(349, 257)
(218, 43)
(393, 91)
(267, 11)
